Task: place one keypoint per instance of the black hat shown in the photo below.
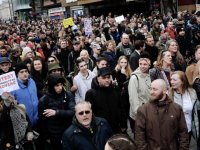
(179, 29)
(104, 71)
(4, 60)
(20, 66)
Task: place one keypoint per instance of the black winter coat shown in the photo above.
(107, 103)
(76, 137)
(64, 105)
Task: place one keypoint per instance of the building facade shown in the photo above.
(6, 11)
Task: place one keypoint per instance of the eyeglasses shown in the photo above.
(84, 112)
(51, 60)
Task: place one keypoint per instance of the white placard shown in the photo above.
(88, 26)
(8, 82)
(119, 19)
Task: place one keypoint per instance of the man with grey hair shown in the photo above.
(124, 48)
(160, 123)
(86, 132)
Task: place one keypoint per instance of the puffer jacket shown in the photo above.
(76, 137)
(161, 126)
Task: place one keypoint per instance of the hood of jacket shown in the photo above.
(54, 79)
(139, 73)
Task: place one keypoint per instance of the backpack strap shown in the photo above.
(137, 80)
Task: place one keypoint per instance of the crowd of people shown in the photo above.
(83, 92)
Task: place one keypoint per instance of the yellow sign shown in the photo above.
(68, 22)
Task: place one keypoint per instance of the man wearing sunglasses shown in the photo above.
(86, 132)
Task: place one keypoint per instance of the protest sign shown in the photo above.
(119, 19)
(68, 22)
(8, 82)
(88, 26)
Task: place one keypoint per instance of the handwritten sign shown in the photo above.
(68, 22)
(8, 82)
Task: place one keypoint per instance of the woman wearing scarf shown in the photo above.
(15, 127)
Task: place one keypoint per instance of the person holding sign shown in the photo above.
(27, 92)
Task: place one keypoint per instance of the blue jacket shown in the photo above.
(27, 95)
(75, 138)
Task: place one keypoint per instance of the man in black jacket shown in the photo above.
(86, 132)
(135, 56)
(151, 49)
(106, 101)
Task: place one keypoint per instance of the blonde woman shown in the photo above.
(122, 71)
(182, 94)
(121, 76)
(177, 58)
(163, 67)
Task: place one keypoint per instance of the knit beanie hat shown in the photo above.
(26, 50)
(20, 66)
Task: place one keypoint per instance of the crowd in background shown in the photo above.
(112, 69)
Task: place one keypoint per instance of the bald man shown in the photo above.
(160, 123)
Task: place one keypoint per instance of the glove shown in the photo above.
(29, 136)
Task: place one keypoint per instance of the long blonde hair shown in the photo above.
(128, 70)
(159, 62)
(184, 80)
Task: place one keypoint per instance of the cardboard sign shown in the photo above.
(119, 19)
(8, 82)
(88, 26)
(68, 22)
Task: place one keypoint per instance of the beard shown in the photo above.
(157, 98)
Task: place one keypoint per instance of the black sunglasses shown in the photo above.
(84, 112)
